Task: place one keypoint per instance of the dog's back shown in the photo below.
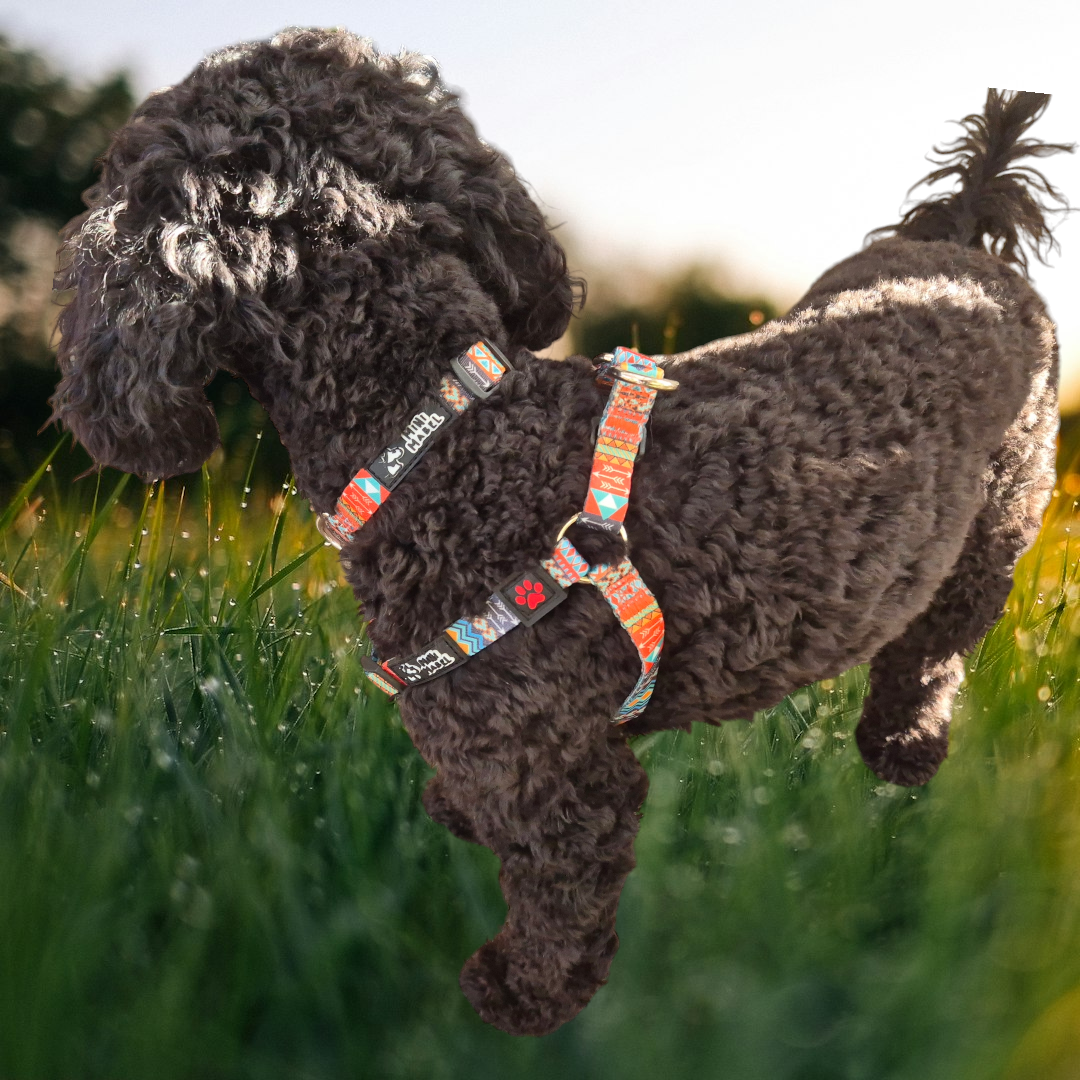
(881, 454)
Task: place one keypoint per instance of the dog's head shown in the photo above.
(219, 202)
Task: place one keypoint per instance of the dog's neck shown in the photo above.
(366, 363)
(331, 431)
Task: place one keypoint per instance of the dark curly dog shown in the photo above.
(851, 483)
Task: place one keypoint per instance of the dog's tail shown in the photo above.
(998, 204)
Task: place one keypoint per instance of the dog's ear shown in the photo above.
(157, 275)
(133, 353)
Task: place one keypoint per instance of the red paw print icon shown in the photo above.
(530, 593)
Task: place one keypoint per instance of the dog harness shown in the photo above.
(530, 595)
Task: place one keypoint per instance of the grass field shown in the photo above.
(214, 862)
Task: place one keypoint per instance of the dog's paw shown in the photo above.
(909, 758)
(515, 996)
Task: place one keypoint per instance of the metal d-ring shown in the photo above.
(647, 380)
(563, 530)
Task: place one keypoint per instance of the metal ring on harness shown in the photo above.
(562, 531)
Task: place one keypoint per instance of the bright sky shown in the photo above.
(768, 136)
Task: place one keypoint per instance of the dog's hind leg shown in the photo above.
(564, 833)
(904, 731)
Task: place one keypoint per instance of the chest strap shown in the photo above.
(529, 596)
(475, 374)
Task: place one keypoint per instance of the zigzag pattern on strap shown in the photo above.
(477, 633)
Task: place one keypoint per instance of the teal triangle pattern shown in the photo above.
(607, 503)
(371, 488)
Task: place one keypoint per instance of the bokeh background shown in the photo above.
(213, 860)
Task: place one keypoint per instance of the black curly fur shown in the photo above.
(851, 483)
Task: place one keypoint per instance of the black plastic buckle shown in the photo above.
(370, 663)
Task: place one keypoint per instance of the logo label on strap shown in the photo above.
(532, 594)
(441, 655)
(394, 463)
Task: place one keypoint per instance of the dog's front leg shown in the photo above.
(564, 831)
(441, 809)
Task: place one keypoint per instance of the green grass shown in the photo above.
(214, 862)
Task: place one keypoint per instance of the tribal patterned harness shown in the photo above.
(529, 596)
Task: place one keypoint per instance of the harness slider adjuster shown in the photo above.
(325, 525)
(480, 369)
(653, 383)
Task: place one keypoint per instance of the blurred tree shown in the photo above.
(51, 135)
(687, 312)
